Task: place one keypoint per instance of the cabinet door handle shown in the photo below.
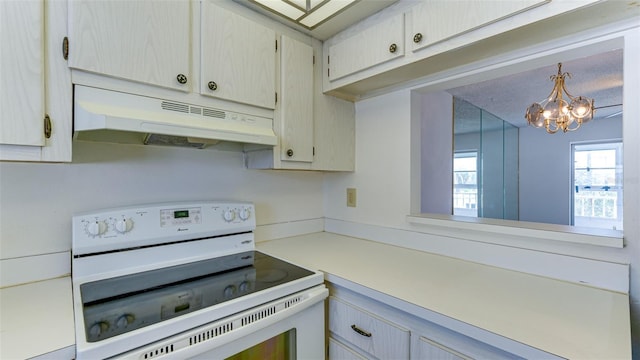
(393, 48)
(47, 126)
(182, 78)
(417, 38)
(290, 152)
(212, 85)
(360, 331)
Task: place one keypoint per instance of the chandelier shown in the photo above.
(555, 113)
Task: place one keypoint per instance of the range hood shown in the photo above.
(111, 116)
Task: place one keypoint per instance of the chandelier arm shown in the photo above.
(550, 130)
(575, 128)
(564, 88)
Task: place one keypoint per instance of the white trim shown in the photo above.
(493, 251)
(481, 227)
(268, 232)
(23, 270)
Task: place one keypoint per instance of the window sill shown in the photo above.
(481, 227)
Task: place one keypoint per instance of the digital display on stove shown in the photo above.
(179, 214)
(118, 305)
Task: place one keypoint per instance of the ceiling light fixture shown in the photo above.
(555, 113)
(307, 13)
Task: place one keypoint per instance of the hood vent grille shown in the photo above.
(190, 109)
(172, 106)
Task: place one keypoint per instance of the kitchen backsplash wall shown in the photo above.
(37, 200)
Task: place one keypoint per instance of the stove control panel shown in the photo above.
(122, 228)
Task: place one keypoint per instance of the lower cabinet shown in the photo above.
(367, 332)
(428, 349)
(361, 327)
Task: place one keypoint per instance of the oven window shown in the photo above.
(279, 347)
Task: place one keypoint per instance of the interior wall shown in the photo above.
(545, 171)
(37, 200)
(437, 153)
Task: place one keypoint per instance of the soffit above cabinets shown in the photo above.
(350, 15)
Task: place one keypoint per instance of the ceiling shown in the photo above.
(598, 77)
(350, 15)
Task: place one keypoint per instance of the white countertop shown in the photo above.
(562, 318)
(37, 319)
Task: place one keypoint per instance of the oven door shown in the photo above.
(288, 328)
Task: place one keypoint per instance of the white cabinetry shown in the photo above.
(238, 57)
(340, 351)
(294, 113)
(438, 20)
(428, 349)
(367, 332)
(364, 327)
(375, 45)
(34, 82)
(144, 41)
(318, 129)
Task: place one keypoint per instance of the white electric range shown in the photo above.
(183, 280)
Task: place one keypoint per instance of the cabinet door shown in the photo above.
(428, 349)
(372, 46)
(22, 73)
(295, 108)
(438, 20)
(238, 57)
(339, 351)
(144, 40)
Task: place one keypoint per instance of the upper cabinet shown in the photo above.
(144, 41)
(238, 57)
(374, 45)
(410, 40)
(294, 115)
(35, 83)
(315, 131)
(22, 72)
(438, 20)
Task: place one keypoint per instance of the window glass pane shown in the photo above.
(597, 175)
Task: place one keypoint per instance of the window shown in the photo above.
(597, 179)
(465, 183)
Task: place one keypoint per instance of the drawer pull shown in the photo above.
(360, 331)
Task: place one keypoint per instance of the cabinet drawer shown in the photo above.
(368, 332)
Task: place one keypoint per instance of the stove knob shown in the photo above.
(124, 320)
(96, 228)
(244, 286)
(228, 215)
(124, 225)
(244, 214)
(229, 291)
(98, 328)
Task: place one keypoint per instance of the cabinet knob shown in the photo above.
(417, 38)
(290, 152)
(393, 48)
(212, 85)
(182, 78)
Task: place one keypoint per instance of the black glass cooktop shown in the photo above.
(118, 305)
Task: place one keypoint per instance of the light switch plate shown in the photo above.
(351, 197)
